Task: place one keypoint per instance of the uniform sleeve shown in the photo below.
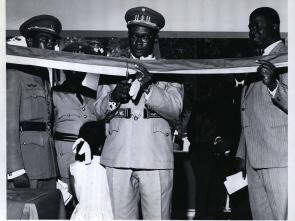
(14, 155)
(166, 99)
(102, 100)
(281, 96)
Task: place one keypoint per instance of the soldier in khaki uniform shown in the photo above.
(73, 106)
(31, 159)
(138, 152)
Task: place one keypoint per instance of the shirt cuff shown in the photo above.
(148, 92)
(273, 93)
(15, 174)
(239, 83)
(112, 105)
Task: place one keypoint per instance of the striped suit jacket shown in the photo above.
(264, 136)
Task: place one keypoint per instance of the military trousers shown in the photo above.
(151, 188)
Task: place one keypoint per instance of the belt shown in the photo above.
(34, 126)
(150, 114)
(126, 113)
(65, 137)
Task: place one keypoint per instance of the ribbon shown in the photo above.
(85, 149)
(117, 66)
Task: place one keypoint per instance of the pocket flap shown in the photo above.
(32, 138)
(160, 125)
(34, 93)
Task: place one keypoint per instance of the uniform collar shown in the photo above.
(269, 48)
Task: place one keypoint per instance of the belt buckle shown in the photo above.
(136, 114)
(48, 127)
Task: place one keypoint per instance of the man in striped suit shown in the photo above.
(264, 114)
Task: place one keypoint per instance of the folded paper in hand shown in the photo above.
(235, 182)
(186, 144)
(63, 187)
(134, 89)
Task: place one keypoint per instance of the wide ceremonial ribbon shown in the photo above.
(118, 66)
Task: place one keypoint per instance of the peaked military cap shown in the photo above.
(144, 16)
(79, 47)
(41, 23)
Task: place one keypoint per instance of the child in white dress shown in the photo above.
(88, 177)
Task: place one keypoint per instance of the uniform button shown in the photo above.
(85, 116)
(83, 109)
(24, 143)
(242, 108)
(167, 134)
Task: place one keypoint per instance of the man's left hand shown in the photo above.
(221, 147)
(144, 76)
(268, 71)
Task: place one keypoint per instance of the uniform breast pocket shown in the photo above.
(66, 116)
(34, 105)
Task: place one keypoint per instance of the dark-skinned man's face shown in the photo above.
(42, 40)
(141, 40)
(75, 77)
(261, 31)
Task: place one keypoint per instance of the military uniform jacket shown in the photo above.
(70, 115)
(137, 142)
(264, 137)
(28, 99)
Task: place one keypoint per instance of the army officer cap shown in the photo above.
(41, 23)
(144, 16)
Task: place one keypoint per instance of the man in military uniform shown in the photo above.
(31, 159)
(138, 152)
(73, 106)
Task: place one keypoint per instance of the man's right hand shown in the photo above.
(21, 181)
(121, 92)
